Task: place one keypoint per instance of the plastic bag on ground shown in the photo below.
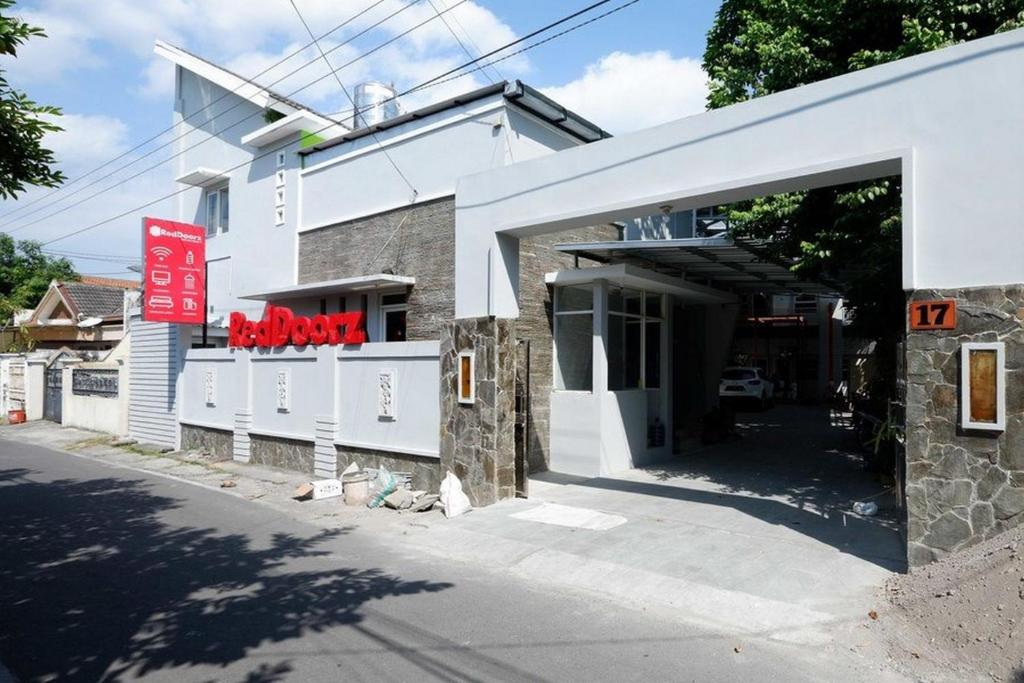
(381, 487)
(453, 500)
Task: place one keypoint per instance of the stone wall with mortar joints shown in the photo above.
(423, 247)
(216, 442)
(288, 454)
(426, 471)
(477, 440)
(963, 486)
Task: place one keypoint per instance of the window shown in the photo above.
(634, 339)
(393, 310)
(710, 221)
(217, 211)
(574, 333)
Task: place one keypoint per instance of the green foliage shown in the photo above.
(851, 233)
(23, 122)
(25, 275)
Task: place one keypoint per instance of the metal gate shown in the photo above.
(54, 394)
(522, 426)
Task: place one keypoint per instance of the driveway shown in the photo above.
(755, 535)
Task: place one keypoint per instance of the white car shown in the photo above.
(746, 383)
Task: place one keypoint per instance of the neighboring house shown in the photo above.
(82, 315)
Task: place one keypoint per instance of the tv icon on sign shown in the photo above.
(160, 277)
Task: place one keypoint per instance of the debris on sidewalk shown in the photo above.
(868, 509)
(424, 502)
(318, 490)
(964, 612)
(355, 485)
(120, 443)
(228, 484)
(453, 500)
(400, 499)
(381, 487)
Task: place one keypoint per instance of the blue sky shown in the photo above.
(635, 68)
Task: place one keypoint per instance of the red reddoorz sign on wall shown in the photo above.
(175, 272)
(281, 327)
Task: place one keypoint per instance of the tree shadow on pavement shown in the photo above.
(95, 586)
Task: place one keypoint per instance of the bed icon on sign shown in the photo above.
(161, 302)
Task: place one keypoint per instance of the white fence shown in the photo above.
(377, 396)
(95, 396)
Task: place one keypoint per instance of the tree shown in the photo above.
(847, 233)
(25, 275)
(23, 122)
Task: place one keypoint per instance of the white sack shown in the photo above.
(453, 500)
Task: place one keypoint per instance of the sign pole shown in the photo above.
(206, 306)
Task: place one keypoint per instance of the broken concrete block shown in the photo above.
(318, 490)
(400, 499)
(424, 503)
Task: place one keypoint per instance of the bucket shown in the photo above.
(356, 488)
(15, 417)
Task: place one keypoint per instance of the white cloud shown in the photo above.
(625, 91)
(86, 141)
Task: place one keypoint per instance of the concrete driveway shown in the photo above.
(755, 535)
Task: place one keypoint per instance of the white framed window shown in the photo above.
(217, 204)
(983, 386)
(467, 377)
(573, 338)
(634, 339)
(394, 310)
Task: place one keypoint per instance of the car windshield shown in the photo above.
(739, 373)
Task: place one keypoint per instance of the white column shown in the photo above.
(600, 338)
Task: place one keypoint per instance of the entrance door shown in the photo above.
(54, 394)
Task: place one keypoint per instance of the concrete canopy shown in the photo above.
(951, 122)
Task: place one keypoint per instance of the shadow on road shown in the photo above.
(94, 585)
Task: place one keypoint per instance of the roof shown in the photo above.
(91, 300)
(730, 264)
(516, 93)
(229, 80)
(109, 282)
(347, 284)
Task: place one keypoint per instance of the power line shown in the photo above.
(226, 128)
(421, 86)
(248, 81)
(469, 37)
(415, 192)
(455, 36)
(212, 119)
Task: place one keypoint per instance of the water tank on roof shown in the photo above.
(375, 103)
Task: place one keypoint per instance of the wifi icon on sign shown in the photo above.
(160, 252)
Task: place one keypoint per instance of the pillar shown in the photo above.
(478, 439)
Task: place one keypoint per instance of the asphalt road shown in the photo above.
(112, 574)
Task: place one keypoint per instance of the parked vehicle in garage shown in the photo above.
(745, 383)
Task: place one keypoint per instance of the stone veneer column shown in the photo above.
(242, 448)
(325, 454)
(963, 487)
(478, 440)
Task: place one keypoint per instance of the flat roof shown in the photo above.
(730, 264)
(515, 92)
(345, 284)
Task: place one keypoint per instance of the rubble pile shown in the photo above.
(964, 613)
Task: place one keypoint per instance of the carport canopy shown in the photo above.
(730, 264)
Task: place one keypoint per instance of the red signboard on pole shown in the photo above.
(175, 272)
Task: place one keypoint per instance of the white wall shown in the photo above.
(108, 414)
(337, 384)
(355, 178)
(195, 409)
(416, 426)
(948, 120)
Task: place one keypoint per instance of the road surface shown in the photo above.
(112, 574)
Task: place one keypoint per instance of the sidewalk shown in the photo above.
(619, 546)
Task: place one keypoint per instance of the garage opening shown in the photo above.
(721, 377)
